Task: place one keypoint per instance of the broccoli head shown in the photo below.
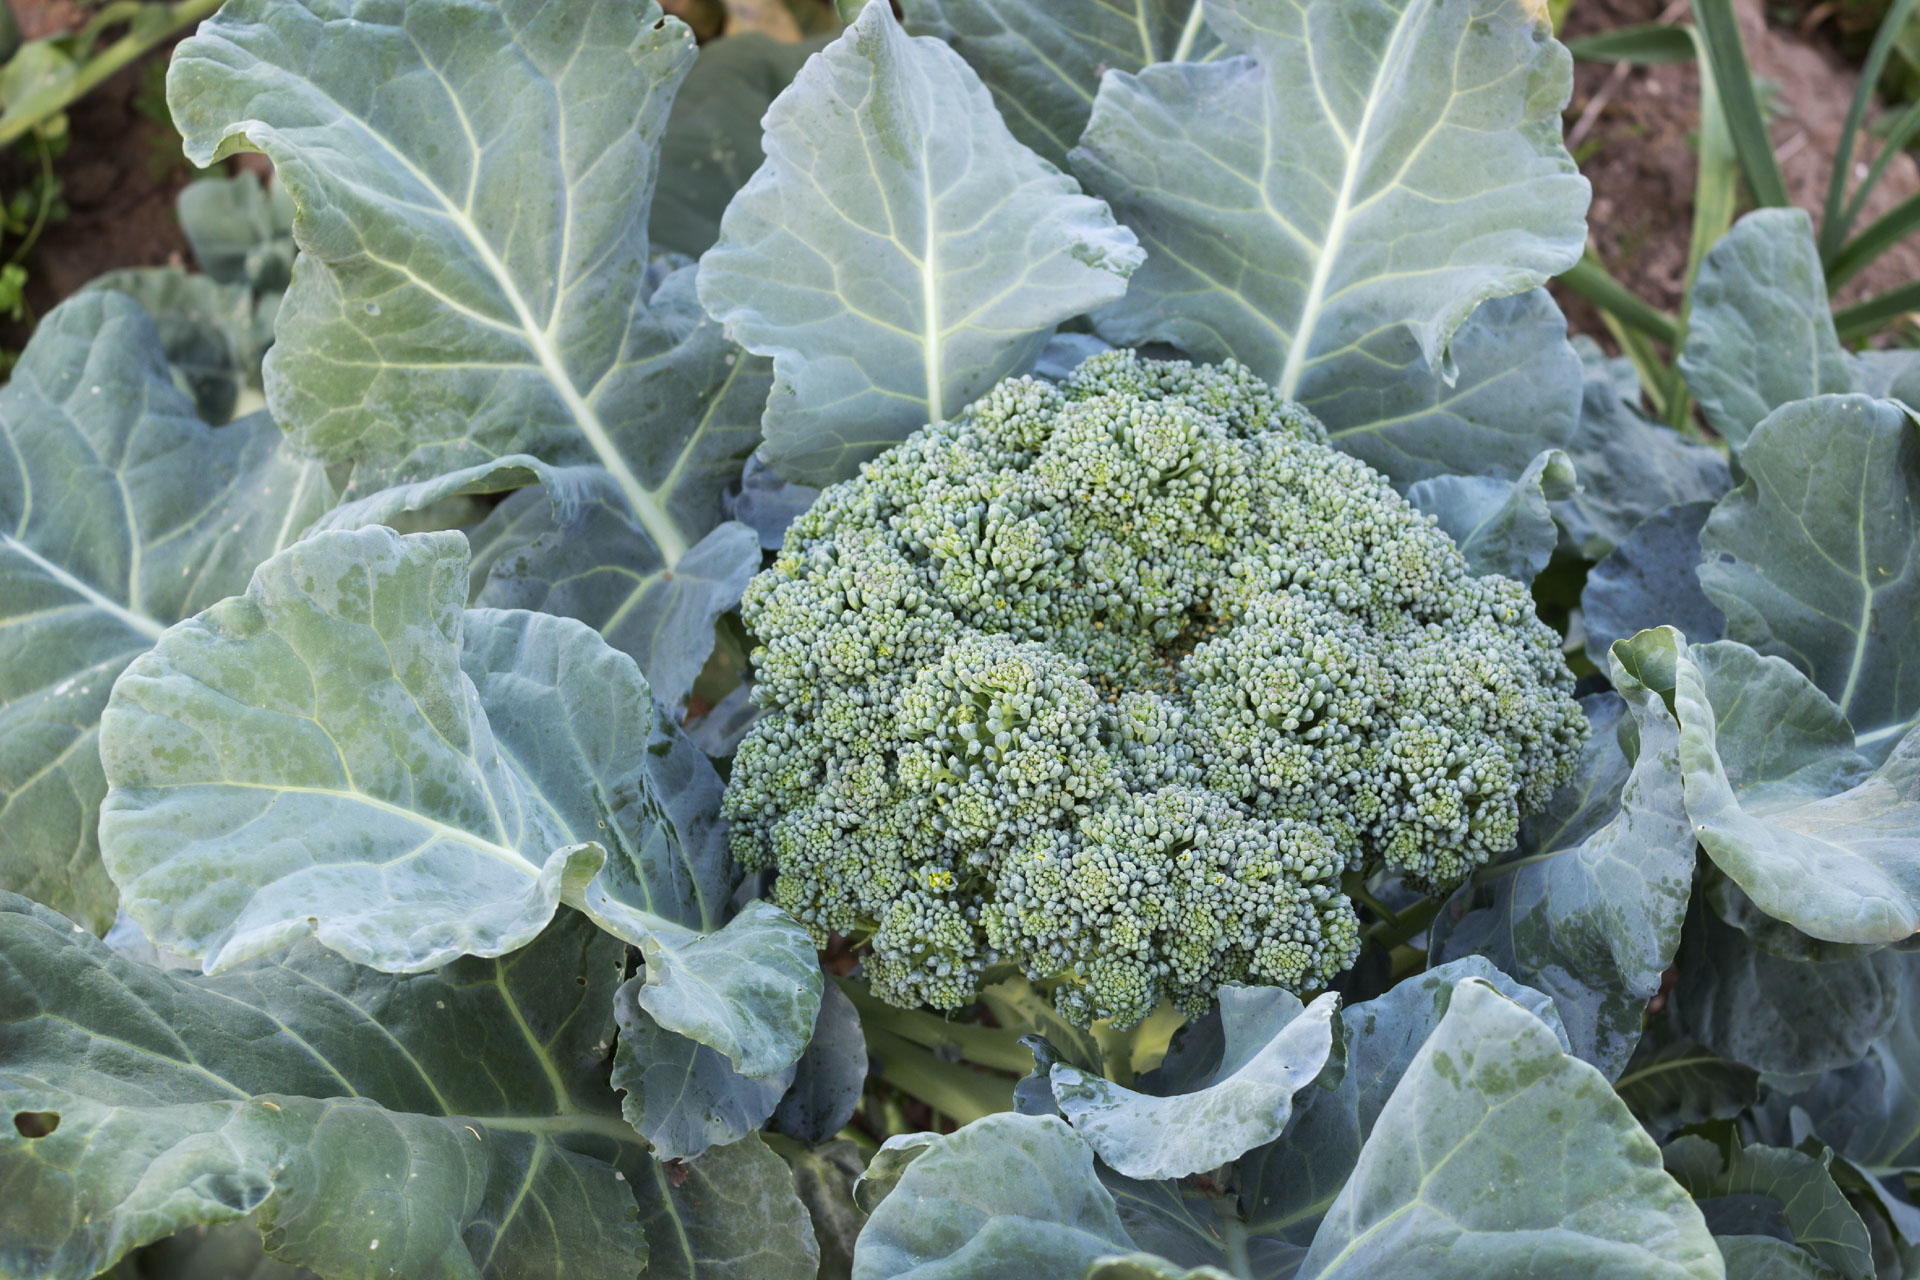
(1113, 681)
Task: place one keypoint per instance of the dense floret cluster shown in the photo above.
(1113, 680)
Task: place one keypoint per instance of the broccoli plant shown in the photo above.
(1092, 688)
(1113, 681)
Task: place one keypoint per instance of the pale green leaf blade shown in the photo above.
(120, 513)
(1499, 1155)
(1778, 800)
(1516, 390)
(1274, 1048)
(1816, 1210)
(309, 757)
(1043, 63)
(1816, 556)
(899, 252)
(1008, 1195)
(1593, 917)
(1769, 1258)
(240, 232)
(682, 1096)
(452, 1117)
(1288, 1186)
(1500, 526)
(751, 990)
(472, 184)
(207, 330)
(732, 1214)
(1357, 170)
(1760, 334)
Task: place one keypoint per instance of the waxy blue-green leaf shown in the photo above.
(445, 1124)
(1273, 1049)
(1760, 333)
(712, 141)
(1869, 1111)
(682, 1096)
(121, 512)
(1043, 62)
(564, 544)
(1816, 556)
(1630, 469)
(1498, 1155)
(1815, 1209)
(1651, 579)
(1515, 389)
(1671, 1083)
(1288, 1186)
(732, 1214)
(206, 329)
(1785, 806)
(1779, 1015)
(241, 232)
(472, 183)
(899, 252)
(1501, 526)
(1010, 1195)
(829, 1077)
(346, 750)
(1359, 170)
(1592, 915)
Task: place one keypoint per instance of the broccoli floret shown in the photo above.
(1112, 681)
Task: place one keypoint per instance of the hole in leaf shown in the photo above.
(580, 981)
(36, 1124)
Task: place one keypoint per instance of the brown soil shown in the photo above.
(1639, 150)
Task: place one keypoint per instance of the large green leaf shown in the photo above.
(1043, 62)
(207, 330)
(712, 141)
(1010, 1195)
(346, 750)
(121, 512)
(733, 1214)
(1514, 390)
(1630, 468)
(1500, 526)
(472, 183)
(1349, 190)
(1273, 1049)
(1651, 579)
(1592, 915)
(1499, 1155)
(445, 1124)
(1815, 1209)
(1778, 1015)
(899, 252)
(1783, 804)
(1287, 1187)
(1760, 334)
(1816, 556)
(1672, 1083)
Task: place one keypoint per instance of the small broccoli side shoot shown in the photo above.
(1113, 680)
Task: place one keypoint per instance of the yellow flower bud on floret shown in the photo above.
(1111, 681)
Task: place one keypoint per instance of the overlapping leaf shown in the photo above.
(1331, 207)
(1043, 63)
(1816, 556)
(1500, 526)
(472, 184)
(1783, 803)
(1591, 912)
(899, 252)
(457, 1111)
(346, 750)
(121, 512)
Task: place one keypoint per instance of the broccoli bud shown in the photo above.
(1112, 681)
